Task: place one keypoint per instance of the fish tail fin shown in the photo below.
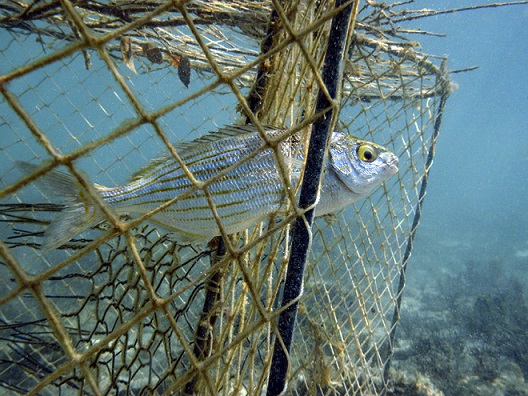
(79, 211)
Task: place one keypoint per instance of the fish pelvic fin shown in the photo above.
(79, 211)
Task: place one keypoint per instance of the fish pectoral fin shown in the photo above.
(184, 236)
(329, 218)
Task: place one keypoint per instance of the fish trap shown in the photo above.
(99, 89)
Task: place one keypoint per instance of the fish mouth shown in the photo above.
(392, 163)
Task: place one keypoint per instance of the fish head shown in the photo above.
(359, 164)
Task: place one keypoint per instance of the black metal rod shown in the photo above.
(301, 237)
(414, 227)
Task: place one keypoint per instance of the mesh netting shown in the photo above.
(98, 90)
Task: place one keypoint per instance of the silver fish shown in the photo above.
(242, 197)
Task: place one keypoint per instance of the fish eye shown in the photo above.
(367, 153)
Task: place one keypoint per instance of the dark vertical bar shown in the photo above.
(416, 221)
(203, 336)
(301, 237)
(255, 96)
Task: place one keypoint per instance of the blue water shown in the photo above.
(473, 239)
(478, 187)
(466, 302)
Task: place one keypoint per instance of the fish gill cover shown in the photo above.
(99, 90)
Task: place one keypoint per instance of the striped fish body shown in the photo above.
(242, 197)
(241, 176)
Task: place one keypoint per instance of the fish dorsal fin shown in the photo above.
(186, 147)
(232, 131)
(222, 133)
